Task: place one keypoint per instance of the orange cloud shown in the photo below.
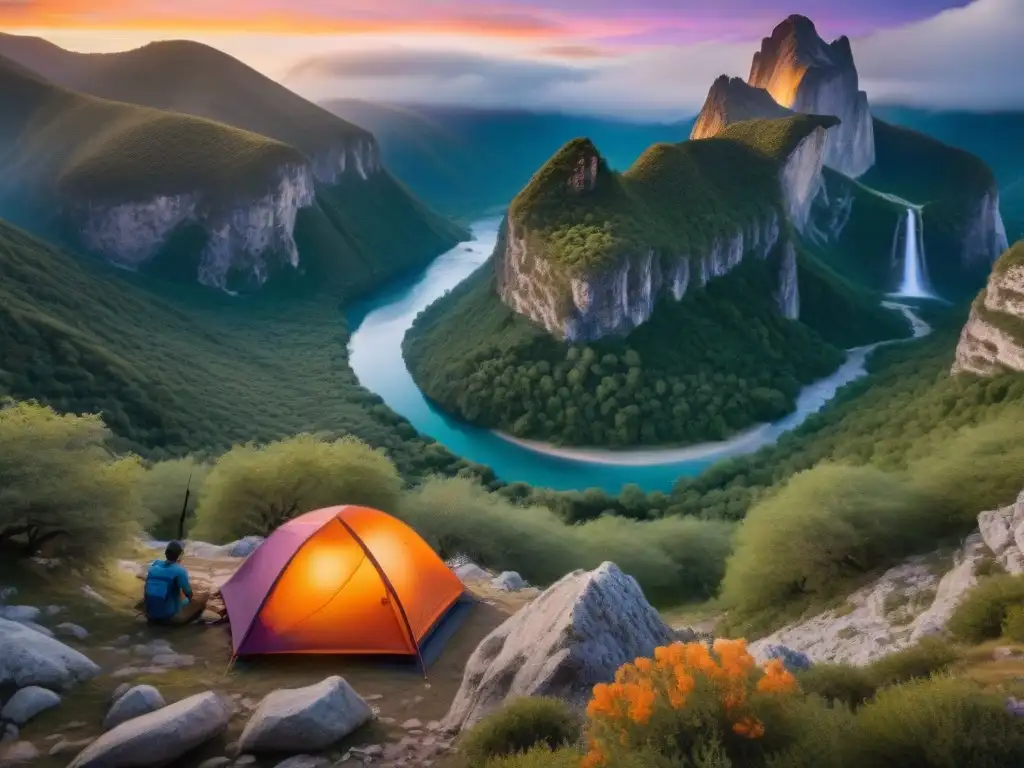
(348, 17)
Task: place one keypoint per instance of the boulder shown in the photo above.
(508, 581)
(951, 590)
(576, 634)
(471, 572)
(30, 658)
(302, 719)
(27, 703)
(243, 547)
(160, 737)
(140, 700)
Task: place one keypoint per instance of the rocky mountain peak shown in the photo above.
(731, 100)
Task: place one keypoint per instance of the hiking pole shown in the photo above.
(184, 508)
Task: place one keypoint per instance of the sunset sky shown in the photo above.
(641, 58)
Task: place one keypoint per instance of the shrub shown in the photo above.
(1013, 624)
(60, 486)
(929, 656)
(254, 489)
(518, 727)
(824, 525)
(162, 493)
(981, 613)
(979, 468)
(938, 722)
(675, 557)
(691, 705)
(538, 757)
(843, 683)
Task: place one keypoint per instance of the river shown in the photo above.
(380, 323)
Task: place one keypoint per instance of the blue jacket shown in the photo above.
(167, 589)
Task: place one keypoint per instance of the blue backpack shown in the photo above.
(161, 587)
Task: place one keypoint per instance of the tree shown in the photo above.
(253, 489)
(60, 486)
(162, 493)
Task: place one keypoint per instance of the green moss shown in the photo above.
(1012, 257)
(777, 138)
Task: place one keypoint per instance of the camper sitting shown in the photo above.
(168, 596)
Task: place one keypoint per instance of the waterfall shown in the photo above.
(914, 282)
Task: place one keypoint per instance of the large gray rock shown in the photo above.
(951, 590)
(991, 343)
(160, 737)
(137, 701)
(28, 658)
(1003, 532)
(576, 634)
(27, 703)
(305, 719)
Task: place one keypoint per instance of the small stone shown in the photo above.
(52, 610)
(372, 750)
(66, 747)
(27, 703)
(67, 629)
(415, 732)
(412, 723)
(92, 594)
(434, 725)
(126, 672)
(122, 642)
(173, 660)
(373, 697)
(387, 720)
(215, 762)
(245, 760)
(74, 724)
(304, 761)
(19, 752)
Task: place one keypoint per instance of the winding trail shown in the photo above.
(375, 354)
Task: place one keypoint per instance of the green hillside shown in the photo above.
(702, 368)
(191, 78)
(174, 371)
(59, 142)
(992, 136)
(949, 182)
(61, 147)
(675, 198)
(447, 154)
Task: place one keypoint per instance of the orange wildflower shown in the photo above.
(749, 728)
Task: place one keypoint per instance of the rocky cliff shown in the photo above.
(247, 236)
(360, 156)
(992, 341)
(797, 70)
(584, 298)
(731, 100)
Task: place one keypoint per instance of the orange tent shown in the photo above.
(344, 579)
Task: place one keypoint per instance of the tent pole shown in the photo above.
(391, 590)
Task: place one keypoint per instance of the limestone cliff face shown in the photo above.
(731, 100)
(616, 300)
(801, 177)
(984, 237)
(804, 73)
(992, 341)
(360, 156)
(247, 237)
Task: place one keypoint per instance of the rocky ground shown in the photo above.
(913, 600)
(86, 682)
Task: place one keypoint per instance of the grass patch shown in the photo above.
(520, 726)
(981, 613)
